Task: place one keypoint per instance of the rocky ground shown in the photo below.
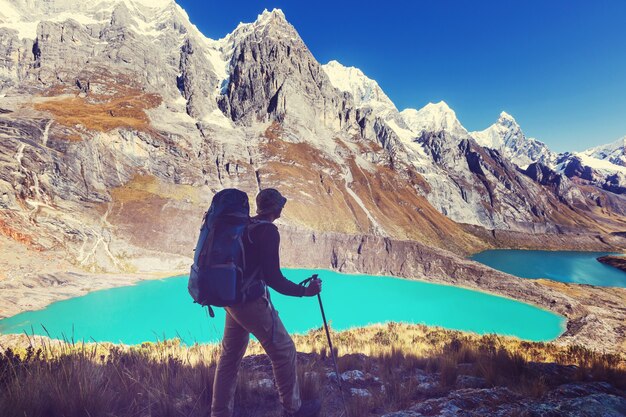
(618, 262)
(570, 399)
(469, 395)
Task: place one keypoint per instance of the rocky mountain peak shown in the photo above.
(274, 77)
(273, 21)
(190, 116)
(509, 123)
(504, 117)
(506, 136)
(266, 17)
(24, 16)
(441, 107)
(493, 136)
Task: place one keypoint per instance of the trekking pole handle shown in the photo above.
(309, 279)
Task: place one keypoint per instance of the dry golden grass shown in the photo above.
(119, 103)
(142, 211)
(297, 167)
(402, 212)
(119, 112)
(563, 288)
(142, 187)
(423, 341)
(46, 377)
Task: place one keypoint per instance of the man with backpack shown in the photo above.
(256, 315)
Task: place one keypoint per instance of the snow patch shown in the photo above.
(599, 164)
(152, 4)
(348, 179)
(216, 117)
(506, 136)
(405, 135)
(26, 17)
(25, 30)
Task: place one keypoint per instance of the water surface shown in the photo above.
(564, 266)
(153, 310)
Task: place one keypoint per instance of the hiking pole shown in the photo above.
(330, 343)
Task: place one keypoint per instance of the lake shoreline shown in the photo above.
(594, 316)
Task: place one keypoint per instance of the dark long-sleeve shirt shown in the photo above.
(262, 245)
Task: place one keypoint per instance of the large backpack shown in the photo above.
(216, 277)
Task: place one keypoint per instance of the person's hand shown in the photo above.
(314, 288)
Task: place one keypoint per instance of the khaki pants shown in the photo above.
(259, 318)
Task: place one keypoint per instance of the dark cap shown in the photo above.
(269, 200)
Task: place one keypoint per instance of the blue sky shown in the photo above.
(559, 67)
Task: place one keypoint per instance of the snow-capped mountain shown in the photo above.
(506, 136)
(602, 166)
(614, 152)
(24, 16)
(364, 90)
(434, 117)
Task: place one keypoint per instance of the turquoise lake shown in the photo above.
(576, 267)
(158, 309)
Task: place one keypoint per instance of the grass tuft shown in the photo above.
(40, 376)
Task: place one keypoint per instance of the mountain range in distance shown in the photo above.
(117, 112)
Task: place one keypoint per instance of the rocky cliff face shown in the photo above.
(473, 185)
(274, 77)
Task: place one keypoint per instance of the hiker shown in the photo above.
(257, 316)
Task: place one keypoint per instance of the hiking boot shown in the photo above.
(308, 408)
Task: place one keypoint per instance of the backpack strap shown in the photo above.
(206, 248)
(253, 225)
(243, 253)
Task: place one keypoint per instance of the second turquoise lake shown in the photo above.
(564, 266)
